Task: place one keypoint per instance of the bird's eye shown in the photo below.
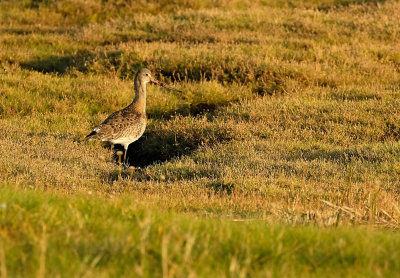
(148, 74)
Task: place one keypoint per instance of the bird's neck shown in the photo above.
(139, 102)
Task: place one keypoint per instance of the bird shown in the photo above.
(128, 124)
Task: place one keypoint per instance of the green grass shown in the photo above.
(61, 234)
(280, 158)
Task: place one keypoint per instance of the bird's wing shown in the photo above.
(114, 126)
(101, 130)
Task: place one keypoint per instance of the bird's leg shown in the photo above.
(126, 150)
(112, 151)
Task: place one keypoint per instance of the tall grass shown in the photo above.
(53, 235)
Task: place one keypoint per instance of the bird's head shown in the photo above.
(145, 76)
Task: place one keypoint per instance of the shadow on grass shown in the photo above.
(153, 147)
(221, 187)
(160, 144)
(34, 30)
(59, 64)
(149, 149)
(262, 80)
(193, 110)
(391, 131)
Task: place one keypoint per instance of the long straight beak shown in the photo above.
(162, 84)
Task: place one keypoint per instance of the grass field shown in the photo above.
(281, 158)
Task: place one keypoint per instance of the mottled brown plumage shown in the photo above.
(127, 125)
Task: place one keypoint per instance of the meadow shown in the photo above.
(280, 158)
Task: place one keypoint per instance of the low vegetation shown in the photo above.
(280, 158)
